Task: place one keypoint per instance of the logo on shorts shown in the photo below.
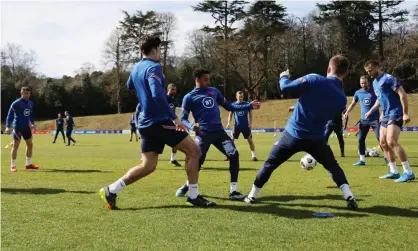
(240, 113)
(26, 112)
(367, 101)
(208, 102)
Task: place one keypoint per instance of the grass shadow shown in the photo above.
(73, 171)
(227, 169)
(40, 190)
(272, 209)
(288, 198)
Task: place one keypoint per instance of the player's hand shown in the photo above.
(228, 125)
(7, 130)
(196, 127)
(367, 115)
(291, 108)
(285, 73)
(33, 126)
(180, 126)
(255, 104)
(406, 119)
(345, 116)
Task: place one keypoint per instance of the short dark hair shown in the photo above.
(240, 92)
(371, 63)
(148, 43)
(340, 64)
(200, 72)
(25, 89)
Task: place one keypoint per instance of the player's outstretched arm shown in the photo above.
(296, 87)
(185, 112)
(351, 106)
(10, 116)
(229, 120)
(32, 121)
(404, 101)
(220, 99)
(136, 117)
(374, 108)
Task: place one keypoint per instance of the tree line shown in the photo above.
(246, 49)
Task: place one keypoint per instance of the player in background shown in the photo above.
(70, 126)
(203, 101)
(243, 124)
(367, 98)
(20, 120)
(133, 123)
(172, 102)
(305, 128)
(59, 128)
(336, 125)
(394, 102)
(158, 126)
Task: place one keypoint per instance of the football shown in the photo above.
(307, 162)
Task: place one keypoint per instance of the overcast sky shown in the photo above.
(65, 34)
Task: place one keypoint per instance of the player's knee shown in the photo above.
(391, 142)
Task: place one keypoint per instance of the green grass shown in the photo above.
(58, 208)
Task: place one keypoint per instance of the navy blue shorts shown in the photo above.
(133, 130)
(364, 127)
(155, 137)
(68, 132)
(19, 133)
(398, 122)
(246, 132)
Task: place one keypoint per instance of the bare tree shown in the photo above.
(114, 54)
(86, 68)
(167, 25)
(21, 63)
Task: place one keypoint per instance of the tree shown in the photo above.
(385, 12)
(135, 27)
(20, 63)
(86, 68)
(114, 53)
(225, 14)
(167, 22)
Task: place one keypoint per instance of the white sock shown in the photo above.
(254, 192)
(193, 191)
(173, 157)
(187, 182)
(406, 168)
(13, 162)
(117, 186)
(363, 158)
(234, 186)
(28, 161)
(253, 154)
(393, 167)
(346, 190)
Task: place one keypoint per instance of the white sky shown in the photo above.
(65, 34)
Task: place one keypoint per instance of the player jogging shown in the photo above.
(366, 96)
(305, 128)
(158, 126)
(203, 102)
(172, 102)
(70, 126)
(133, 123)
(20, 117)
(394, 102)
(336, 125)
(59, 128)
(243, 124)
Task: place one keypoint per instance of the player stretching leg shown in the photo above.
(20, 116)
(133, 124)
(203, 102)
(172, 102)
(394, 102)
(305, 128)
(367, 99)
(243, 124)
(336, 125)
(158, 126)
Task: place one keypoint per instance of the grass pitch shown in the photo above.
(58, 206)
